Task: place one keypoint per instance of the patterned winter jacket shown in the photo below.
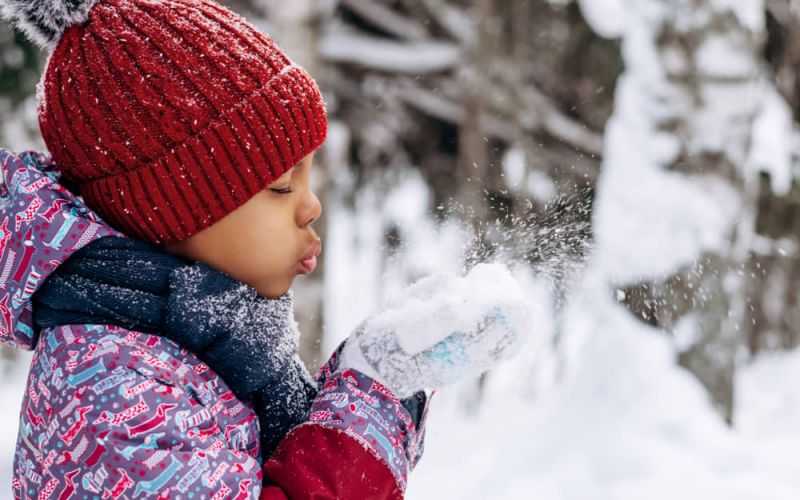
(114, 413)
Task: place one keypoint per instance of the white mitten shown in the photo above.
(446, 329)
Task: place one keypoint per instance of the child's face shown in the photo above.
(264, 242)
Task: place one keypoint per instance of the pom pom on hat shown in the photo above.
(44, 21)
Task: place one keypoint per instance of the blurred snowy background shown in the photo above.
(636, 163)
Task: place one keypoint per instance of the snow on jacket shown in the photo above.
(114, 413)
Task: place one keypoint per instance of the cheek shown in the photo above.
(261, 241)
(274, 245)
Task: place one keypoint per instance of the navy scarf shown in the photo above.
(247, 339)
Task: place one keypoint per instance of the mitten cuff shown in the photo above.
(351, 356)
(355, 404)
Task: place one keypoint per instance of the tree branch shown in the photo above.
(379, 54)
(456, 23)
(387, 20)
(538, 114)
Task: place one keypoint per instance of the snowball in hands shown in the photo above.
(444, 328)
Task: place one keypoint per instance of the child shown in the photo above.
(158, 303)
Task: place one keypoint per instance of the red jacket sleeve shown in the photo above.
(358, 442)
(321, 463)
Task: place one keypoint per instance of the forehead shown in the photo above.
(287, 176)
(304, 163)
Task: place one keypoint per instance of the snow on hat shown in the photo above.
(169, 114)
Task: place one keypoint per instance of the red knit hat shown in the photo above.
(170, 114)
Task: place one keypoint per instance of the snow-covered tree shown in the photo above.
(676, 202)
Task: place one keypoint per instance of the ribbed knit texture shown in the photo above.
(170, 114)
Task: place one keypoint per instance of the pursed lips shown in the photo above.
(309, 262)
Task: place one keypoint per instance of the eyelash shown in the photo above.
(283, 191)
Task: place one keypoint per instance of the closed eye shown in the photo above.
(285, 190)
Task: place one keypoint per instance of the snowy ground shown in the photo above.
(624, 423)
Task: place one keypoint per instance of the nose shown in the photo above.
(311, 210)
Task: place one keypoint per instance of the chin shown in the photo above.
(274, 288)
(277, 291)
